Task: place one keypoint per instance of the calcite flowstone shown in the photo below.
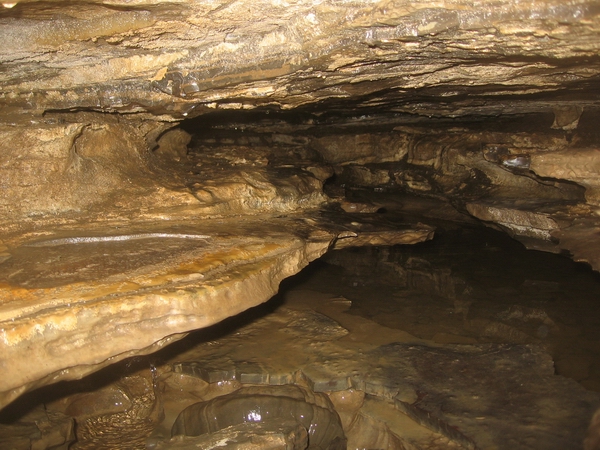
(80, 306)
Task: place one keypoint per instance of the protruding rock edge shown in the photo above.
(22, 370)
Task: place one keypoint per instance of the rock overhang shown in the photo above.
(182, 59)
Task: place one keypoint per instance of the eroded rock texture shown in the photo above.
(165, 164)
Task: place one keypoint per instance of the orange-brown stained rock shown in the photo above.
(53, 328)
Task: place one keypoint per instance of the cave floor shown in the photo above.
(468, 340)
(465, 341)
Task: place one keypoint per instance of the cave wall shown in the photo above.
(143, 66)
(122, 72)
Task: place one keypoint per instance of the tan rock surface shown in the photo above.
(78, 303)
(185, 58)
(581, 166)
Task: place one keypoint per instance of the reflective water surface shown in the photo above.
(474, 285)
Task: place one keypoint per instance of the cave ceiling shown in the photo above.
(158, 157)
(182, 59)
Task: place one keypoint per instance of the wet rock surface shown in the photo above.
(129, 422)
(455, 383)
(245, 436)
(470, 396)
(266, 404)
(39, 429)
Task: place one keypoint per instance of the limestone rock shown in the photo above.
(173, 145)
(385, 237)
(400, 390)
(517, 221)
(40, 430)
(358, 149)
(265, 404)
(244, 436)
(592, 440)
(131, 294)
(567, 118)
(190, 58)
(354, 207)
(581, 166)
(75, 168)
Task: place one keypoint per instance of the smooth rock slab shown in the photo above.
(263, 405)
(501, 396)
(72, 305)
(246, 436)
